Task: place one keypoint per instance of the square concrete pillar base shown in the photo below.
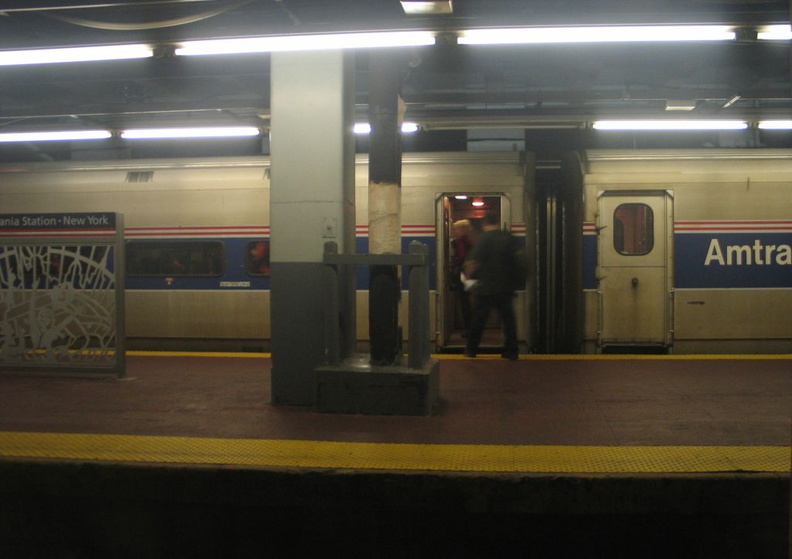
(356, 386)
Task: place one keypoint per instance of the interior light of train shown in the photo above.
(775, 125)
(775, 33)
(460, 197)
(77, 54)
(680, 125)
(610, 34)
(365, 128)
(55, 136)
(306, 42)
(477, 203)
(206, 132)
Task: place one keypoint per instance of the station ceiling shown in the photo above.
(445, 86)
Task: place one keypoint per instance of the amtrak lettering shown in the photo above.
(733, 260)
(758, 254)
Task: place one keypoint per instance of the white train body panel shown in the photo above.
(181, 199)
(228, 200)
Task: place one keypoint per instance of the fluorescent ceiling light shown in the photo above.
(174, 133)
(55, 136)
(438, 7)
(611, 34)
(306, 42)
(675, 105)
(670, 125)
(775, 33)
(732, 101)
(78, 54)
(776, 125)
(365, 128)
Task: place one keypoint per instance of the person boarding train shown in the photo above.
(496, 263)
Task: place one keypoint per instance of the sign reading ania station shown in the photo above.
(18, 222)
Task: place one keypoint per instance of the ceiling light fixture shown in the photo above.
(438, 7)
(775, 125)
(680, 125)
(59, 136)
(676, 105)
(365, 128)
(203, 132)
(731, 101)
(77, 54)
(775, 33)
(605, 34)
(287, 43)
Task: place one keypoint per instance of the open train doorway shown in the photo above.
(458, 213)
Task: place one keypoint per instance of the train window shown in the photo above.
(633, 229)
(257, 259)
(174, 258)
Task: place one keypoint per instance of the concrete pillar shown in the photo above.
(312, 201)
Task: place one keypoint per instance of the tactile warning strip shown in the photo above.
(378, 456)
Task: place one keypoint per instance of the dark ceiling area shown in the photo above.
(449, 89)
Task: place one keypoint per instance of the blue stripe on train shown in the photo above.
(362, 274)
(235, 276)
(720, 260)
(732, 260)
(589, 261)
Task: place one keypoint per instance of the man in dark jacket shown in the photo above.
(492, 263)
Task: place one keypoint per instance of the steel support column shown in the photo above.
(384, 205)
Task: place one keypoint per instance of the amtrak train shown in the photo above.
(669, 251)
(686, 251)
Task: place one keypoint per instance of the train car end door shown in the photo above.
(635, 268)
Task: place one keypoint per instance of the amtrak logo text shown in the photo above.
(757, 254)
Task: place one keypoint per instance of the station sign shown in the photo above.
(38, 224)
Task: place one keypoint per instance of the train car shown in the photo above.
(681, 251)
(197, 236)
(684, 251)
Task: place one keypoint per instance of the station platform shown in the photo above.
(548, 456)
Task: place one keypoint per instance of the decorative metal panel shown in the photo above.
(61, 293)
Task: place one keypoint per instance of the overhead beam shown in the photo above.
(11, 6)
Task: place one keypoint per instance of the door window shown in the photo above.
(633, 229)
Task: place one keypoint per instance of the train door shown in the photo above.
(634, 269)
(450, 315)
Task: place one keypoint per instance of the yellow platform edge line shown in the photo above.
(269, 453)
(452, 356)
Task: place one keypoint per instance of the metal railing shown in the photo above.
(417, 263)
